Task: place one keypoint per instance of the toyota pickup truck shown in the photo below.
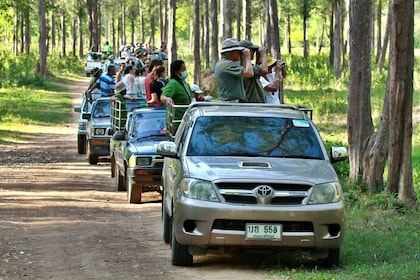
(249, 176)
(135, 164)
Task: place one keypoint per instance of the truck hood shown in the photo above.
(260, 169)
(145, 147)
(101, 122)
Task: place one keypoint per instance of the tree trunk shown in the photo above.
(289, 40)
(123, 25)
(197, 36)
(172, 32)
(247, 19)
(238, 18)
(27, 31)
(80, 28)
(338, 38)
(63, 32)
(331, 36)
(52, 28)
(206, 34)
(381, 60)
(305, 13)
(214, 33)
(400, 172)
(141, 27)
(43, 50)
(74, 37)
(227, 19)
(359, 120)
(378, 29)
(274, 30)
(15, 31)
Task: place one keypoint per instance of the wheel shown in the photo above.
(92, 159)
(333, 258)
(119, 180)
(180, 254)
(166, 225)
(81, 148)
(133, 192)
(112, 166)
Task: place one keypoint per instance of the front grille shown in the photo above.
(247, 193)
(288, 226)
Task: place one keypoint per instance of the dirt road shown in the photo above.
(60, 218)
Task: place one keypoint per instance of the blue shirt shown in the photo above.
(106, 84)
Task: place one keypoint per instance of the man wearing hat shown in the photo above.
(271, 81)
(229, 72)
(120, 109)
(254, 91)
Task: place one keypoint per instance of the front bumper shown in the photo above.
(149, 178)
(99, 146)
(209, 224)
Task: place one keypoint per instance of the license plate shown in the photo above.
(263, 231)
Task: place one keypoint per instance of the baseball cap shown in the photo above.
(196, 89)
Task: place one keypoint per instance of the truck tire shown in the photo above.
(180, 254)
(119, 179)
(92, 159)
(333, 259)
(166, 220)
(81, 146)
(133, 192)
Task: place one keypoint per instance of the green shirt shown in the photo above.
(228, 75)
(181, 94)
(254, 90)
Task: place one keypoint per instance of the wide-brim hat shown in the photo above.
(230, 45)
(120, 87)
(248, 44)
(195, 88)
(270, 60)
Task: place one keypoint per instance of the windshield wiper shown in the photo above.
(151, 136)
(240, 154)
(299, 156)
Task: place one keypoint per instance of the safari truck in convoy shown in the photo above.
(98, 130)
(249, 176)
(135, 164)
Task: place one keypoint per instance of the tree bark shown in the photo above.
(227, 19)
(63, 32)
(197, 36)
(274, 30)
(400, 177)
(214, 33)
(338, 37)
(381, 60)
(42, 42)
(247, 19)
(378, 29)
(359, 120)
(206, 34)
(172, 32)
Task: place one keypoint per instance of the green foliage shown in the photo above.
(16, 71)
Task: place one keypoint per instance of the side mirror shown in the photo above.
(119, 136)
(339, 154)
(167, 149)
(86, 116)
(76, 109)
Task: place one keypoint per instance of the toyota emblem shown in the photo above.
(264, 191)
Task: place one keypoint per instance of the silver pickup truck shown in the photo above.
(250, 176)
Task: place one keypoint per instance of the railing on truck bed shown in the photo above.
(119, 114)
(172, 123)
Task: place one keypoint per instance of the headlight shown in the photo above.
(199, 189)
(99, 131)
(139, 161)
(326, 193)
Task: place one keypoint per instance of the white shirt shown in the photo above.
(271, 97)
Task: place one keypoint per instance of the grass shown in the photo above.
(382, 236)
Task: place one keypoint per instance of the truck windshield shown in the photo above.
(149, 124)
(254, 136)
(102, 109)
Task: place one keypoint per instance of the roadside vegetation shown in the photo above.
(382, 236)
